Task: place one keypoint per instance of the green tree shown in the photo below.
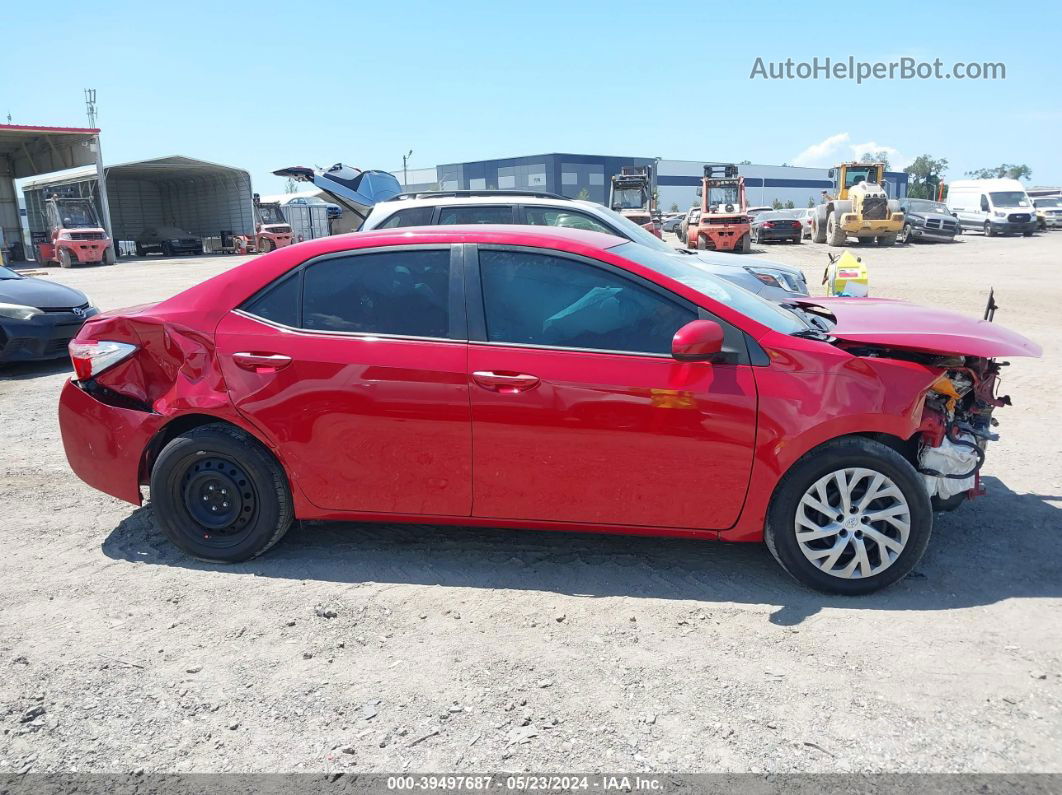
(1004, 170)
(777, 204)
(674, 207)
(584, 195)
(881, 156)
(811, 201)
(925, 174)
(789, 205)
(291, 186)
(745, 163)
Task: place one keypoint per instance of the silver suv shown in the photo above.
(770, 279)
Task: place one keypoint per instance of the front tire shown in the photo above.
(219, 495)
(835, 235)
(850, 517)
(989, 231)
(65, 260)
(905, 234)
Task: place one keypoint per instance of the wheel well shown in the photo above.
(908, 448)
(172, 430)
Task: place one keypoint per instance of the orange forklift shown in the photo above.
(75, 235)
(724, 224)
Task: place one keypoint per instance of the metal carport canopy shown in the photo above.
(29, 151)
(200, 196)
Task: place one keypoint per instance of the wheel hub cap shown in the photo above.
(852, 523)
(218, 495)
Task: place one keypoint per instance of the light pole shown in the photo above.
(405, 159)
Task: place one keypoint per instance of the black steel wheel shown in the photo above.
(219, 495)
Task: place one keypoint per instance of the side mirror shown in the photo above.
(697, 341)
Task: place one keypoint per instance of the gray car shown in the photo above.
(769, 279)
(38, 318)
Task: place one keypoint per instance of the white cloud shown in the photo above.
(823, 154)
(837, 148)
(897, 160)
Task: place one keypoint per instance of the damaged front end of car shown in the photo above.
(948, 447)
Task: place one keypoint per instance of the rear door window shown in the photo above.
(398, 292)
(411, 216)
(476, 215)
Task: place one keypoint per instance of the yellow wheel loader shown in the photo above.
(860, 209)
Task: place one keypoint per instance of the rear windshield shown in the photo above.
(689, 272)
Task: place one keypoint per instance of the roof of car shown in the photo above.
(514, 234)
(475, 197)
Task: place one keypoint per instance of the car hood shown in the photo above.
(898, 324)
(29, 291)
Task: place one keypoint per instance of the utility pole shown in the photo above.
(101, 178)
(405, 159)
(90, 106)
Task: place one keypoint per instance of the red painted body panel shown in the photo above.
(635, 440)
(367, 424)
(391, 429)
(880, 321)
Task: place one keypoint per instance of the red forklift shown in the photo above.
(271, 230)
(75, 235)
(724, 224)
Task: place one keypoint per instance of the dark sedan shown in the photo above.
(776, 226)
(38, 318)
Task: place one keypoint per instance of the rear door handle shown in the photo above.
(261, 362)
(504, 381)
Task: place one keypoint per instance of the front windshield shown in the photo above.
(77, 214)
(1009, 198)
(926, 206)
(628, 199)
(690, 272)
(857, 174)
(723, 195)
(638, 234)
(270, 214)
(1047, 202)
(7, 273)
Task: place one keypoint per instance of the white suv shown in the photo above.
(763, 277)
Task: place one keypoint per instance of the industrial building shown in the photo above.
(589, 176)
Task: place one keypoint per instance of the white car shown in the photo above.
(804, 215)
(771, 280)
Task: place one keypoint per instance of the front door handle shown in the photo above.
(506, 382)
(261, 362)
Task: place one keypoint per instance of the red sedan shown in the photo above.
(535, 377)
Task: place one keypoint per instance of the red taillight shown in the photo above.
(769, 224)
(92, 358)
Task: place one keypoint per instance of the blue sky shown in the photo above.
(263, 85)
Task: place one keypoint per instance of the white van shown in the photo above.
(994, 206)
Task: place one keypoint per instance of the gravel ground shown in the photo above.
(389, 648)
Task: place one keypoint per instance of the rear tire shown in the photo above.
(1026, 234)
(879, 551)
(65, 260)
(887, 240)
(140, 252)
(265, 246)
(167, 250)
(219, 495)
(702, 244)
(746, 243)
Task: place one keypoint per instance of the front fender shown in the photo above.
(806, 401)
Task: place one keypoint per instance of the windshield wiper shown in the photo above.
(811, 334)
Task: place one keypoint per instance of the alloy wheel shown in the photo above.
(852, 523)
